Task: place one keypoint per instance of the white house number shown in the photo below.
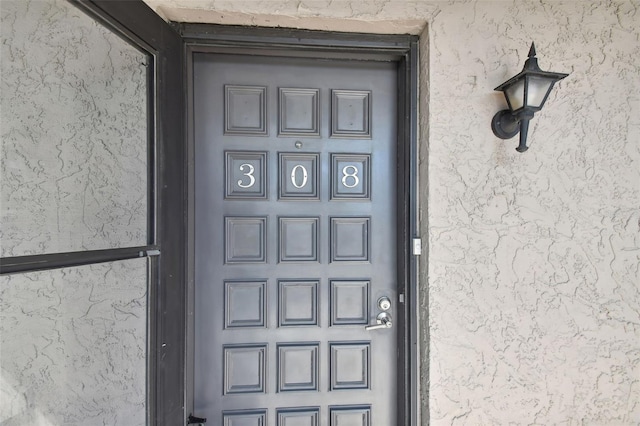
(295, 174)
(300, 176)
(350, 177)
(249, 174)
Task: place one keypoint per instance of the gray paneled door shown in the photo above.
(295, 192)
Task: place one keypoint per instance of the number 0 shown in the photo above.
(294, 174)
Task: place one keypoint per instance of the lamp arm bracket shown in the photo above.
(505, 125)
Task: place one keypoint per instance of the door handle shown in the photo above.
(383, 320)
(193, 420)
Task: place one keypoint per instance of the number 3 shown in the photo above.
(353, 174)
(249, 174)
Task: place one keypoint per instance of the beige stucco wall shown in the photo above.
(73, 177)
(532, 277)
(73, 166)
(534, 259)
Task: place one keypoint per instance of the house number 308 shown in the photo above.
(300, 176)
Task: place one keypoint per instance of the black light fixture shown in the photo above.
(526, 93)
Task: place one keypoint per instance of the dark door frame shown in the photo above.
(402, 49)
(136, 23)
(142, 27)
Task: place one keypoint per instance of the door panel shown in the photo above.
(295, 224)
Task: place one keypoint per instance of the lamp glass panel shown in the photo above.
(515, 95)
(537, 90)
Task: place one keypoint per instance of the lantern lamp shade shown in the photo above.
(531, 87)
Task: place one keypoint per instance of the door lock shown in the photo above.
(384, 303)
(383, 320)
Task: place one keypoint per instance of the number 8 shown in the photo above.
(353, 174)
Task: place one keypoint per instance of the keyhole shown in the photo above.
(384, 303)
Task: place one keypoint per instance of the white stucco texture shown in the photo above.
(73, 177)
(73, 346)
(73, 139)
(532, 279)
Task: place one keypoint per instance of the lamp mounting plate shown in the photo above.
(505, 125)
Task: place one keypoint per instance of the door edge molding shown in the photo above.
(404, 49)
(138, 24)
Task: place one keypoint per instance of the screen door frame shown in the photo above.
(142, 28)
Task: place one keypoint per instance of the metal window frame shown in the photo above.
(137, 24)
(402, 49)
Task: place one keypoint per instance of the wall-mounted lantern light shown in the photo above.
(526, 93)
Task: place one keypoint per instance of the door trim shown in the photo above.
(141, 27)
(166, 289)
(403, 49)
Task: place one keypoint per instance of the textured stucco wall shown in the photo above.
(73, 136)
(73, 346)
(534, 266)
(73, 177)
(533, 270)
